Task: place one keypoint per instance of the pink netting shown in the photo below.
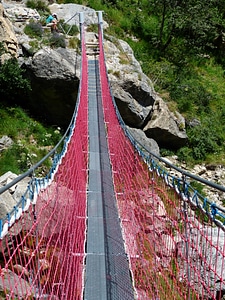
(175, 251)
(42, 256)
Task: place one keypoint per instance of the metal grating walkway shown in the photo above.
(107, 273)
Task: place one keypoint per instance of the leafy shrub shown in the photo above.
(68, 1)
(14, 118)
(13, 86)
(31, 142)
(37, 4)
(74, 42)
(189, 96)
(203, 140)
(92, 28)
(33, 30)
(20, 157)
(185, 154)
(57, 40)
(35, 46)
(8, 161)
(68, 29)
(166, 152)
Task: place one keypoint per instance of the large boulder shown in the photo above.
(126, 71)
(54, 76)
(133, 113)
(19, 12)
(149, 144)
(167, 128)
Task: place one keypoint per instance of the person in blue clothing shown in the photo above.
(52, 21)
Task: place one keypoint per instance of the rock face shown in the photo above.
(5, 142)
(55, 73)
(11, 197)
(54, 76)
(138, 103)
(133, 113)
(165, 127)
(7, 36)
(148, 143)
(70, 13)
(206, 255)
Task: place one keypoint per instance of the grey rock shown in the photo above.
(131, 111)
(54, 76)
(11, 197)
(167, 129)
(7, 204)
(5, 142)
(10, 281)
(148, 143)
(20, 188)
(7, 176)
(70, 14)
(193, 123)
(138, 103)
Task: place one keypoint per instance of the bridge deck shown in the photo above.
(107, 273)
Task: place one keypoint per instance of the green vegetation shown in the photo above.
(31, 140)
(74, 43)
(180, 47)
(13, 85)
(39, 5)
(70, 1)
(33, 29)
(71, 30)
(56, 40)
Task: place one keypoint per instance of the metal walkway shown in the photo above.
(107, 274)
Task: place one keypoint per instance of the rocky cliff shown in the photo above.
(55, 74)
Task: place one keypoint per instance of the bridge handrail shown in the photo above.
(181, 185)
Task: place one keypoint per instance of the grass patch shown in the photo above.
(31, 140)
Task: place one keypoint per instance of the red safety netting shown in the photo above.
(42, 256)
(175, 250)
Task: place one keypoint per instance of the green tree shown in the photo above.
(13, 85)
(199, 23)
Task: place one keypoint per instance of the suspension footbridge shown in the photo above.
(108, 221)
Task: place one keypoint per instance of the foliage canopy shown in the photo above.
(180, 45)
(13, 85)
